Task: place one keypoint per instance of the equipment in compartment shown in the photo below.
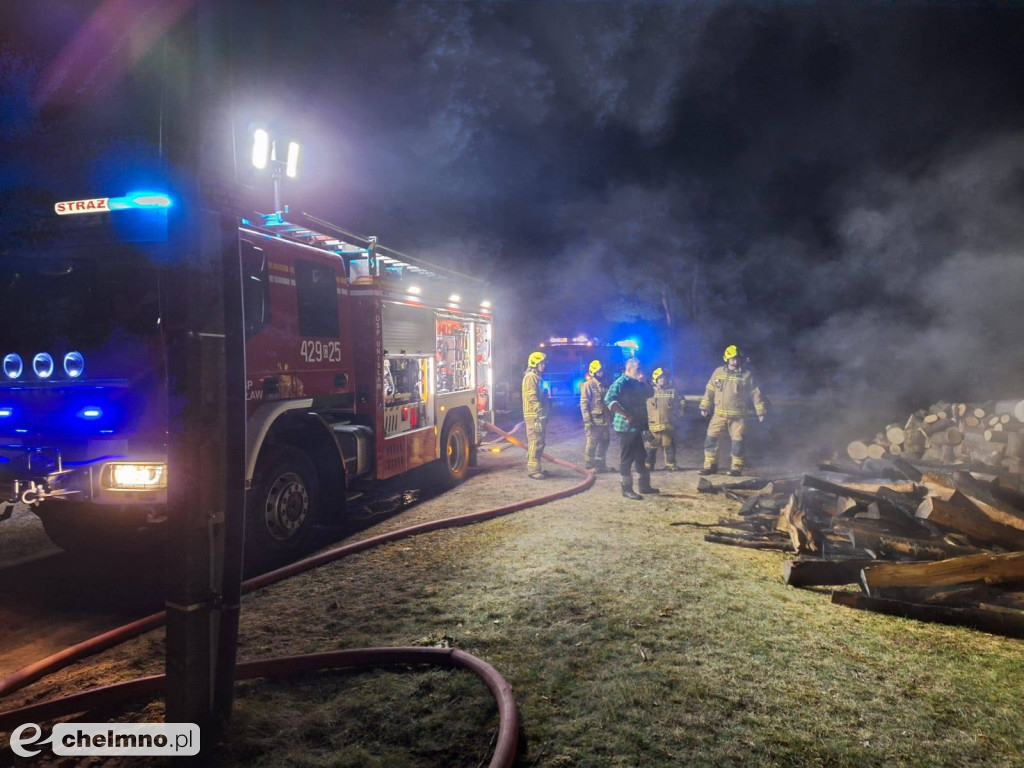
(483, 362)
(405, 395)
(454, 356)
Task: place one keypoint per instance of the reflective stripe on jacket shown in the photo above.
(663, 409)
(731, 392)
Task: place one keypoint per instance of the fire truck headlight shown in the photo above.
(42, 364)
(74, 364)
(13, 366)
(90, 413)
(138, 476)
(6, 413)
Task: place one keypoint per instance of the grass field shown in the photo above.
(628, 641)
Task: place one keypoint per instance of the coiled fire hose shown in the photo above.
(508, 728)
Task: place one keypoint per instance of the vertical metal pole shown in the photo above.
(201, 299)
(277, 175)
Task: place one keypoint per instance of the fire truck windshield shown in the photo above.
(85, 301)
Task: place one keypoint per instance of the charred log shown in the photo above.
(815, 573)
(996, 622)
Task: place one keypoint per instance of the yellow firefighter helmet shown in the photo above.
(595, 366)
(658, 373)
(536, 358)
(730, 352)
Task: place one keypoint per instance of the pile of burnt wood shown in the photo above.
(935, 544)
(985, 434)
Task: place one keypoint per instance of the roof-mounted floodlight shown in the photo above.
(455, 298)
(485, 304)
(265, 154)
(260, 148)
(414, 290)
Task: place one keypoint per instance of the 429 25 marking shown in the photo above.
(321, 351)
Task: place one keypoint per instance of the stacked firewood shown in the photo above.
(945, 546)
(988, 435)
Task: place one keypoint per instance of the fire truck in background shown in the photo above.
(361, 364)
(569, 358)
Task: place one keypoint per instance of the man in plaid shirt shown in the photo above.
(627, 399)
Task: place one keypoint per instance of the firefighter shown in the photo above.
(729, 392)
(595, 418)
(536, 407)
(664, 407)
(627, 399)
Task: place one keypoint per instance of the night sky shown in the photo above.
(836, 187)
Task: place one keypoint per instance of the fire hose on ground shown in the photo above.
(508, 729)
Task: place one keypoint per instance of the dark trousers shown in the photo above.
(631, 451)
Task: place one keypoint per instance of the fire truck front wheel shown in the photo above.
(455, 446)
(281, 506)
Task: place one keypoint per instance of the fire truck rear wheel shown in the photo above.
(455, 448)
(282, 504)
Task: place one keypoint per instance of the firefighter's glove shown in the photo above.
(705, 412)
(760, 417)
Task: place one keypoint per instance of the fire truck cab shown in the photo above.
(569, 358)
(361, 364)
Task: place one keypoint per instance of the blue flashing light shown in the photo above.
(90, 413)
(42, 364)
(106, 431)
(273, 220)
(136, 200)
(13, 367)
(246, 223)
(21, 431)
(74, 364)
(6, 413)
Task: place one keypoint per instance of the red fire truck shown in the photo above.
(361, 364)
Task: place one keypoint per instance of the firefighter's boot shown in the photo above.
(710, 456)
(627, 489)
(645, 484)
(737, 459)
